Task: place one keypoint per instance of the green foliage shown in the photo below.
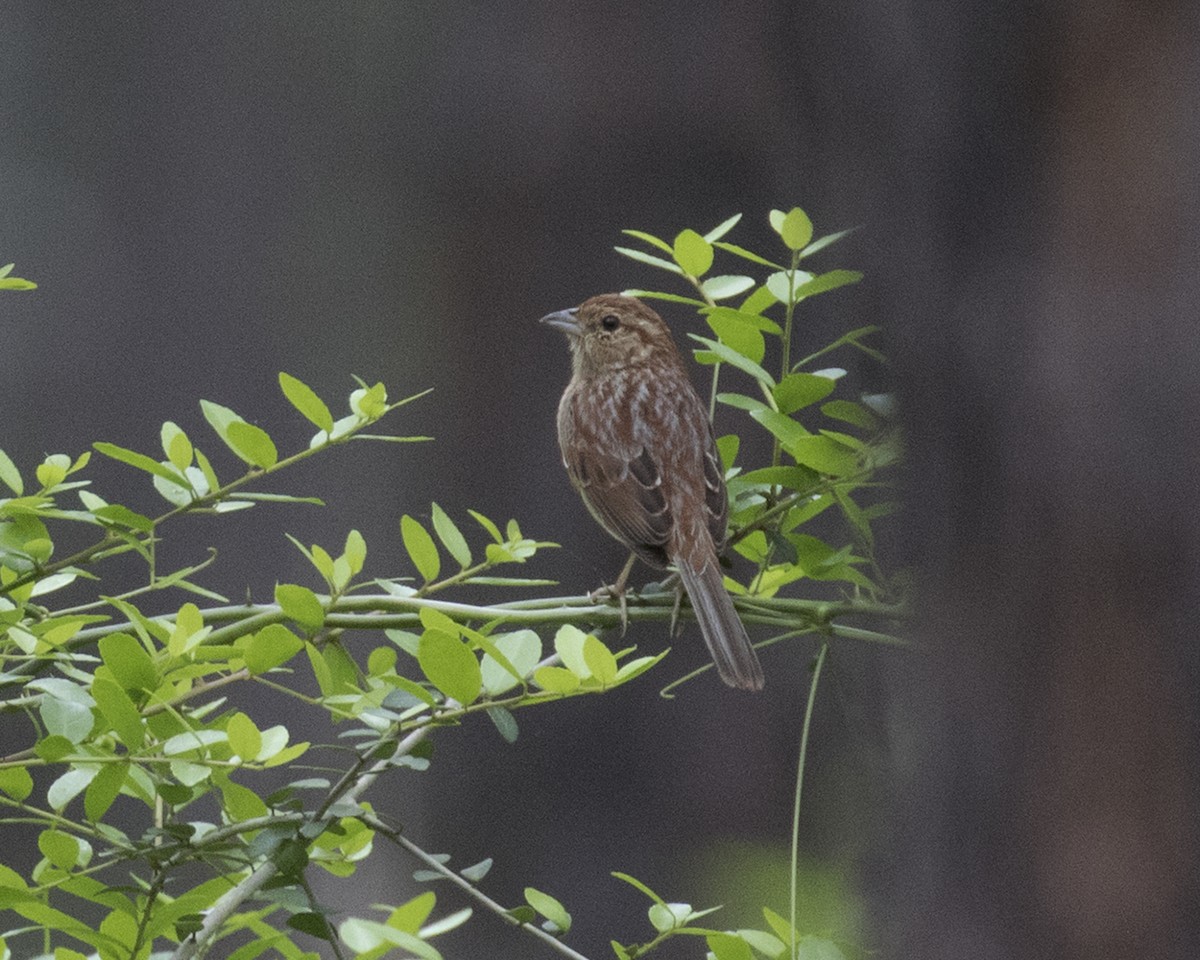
(824, 455)
(142, 703)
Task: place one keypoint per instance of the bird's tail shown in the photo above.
(726, 638)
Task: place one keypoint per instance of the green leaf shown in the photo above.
(823, 282)
(10, 474)
(634, 882)
(549, 908)
(784, 284)
(505, 723)
(421, 548)
(252, 444)
(522, 649)
(355, 551)
(822, 454)
(738, 334)
(122, 516)
(799, 390)
(104, 789)
(660, 295)
(303, 398)
(796, 229)
(717, 232)
(650, 239)
(781, 426)
(451, 537)
(487, 525)
(729, 355)
(825, 241)
(61, 849)
(648, 259)
(727, 946)
(569, 642)
(600, 661)
(724, 287)
(451, 666)
(850, 412)
(411, 915)
(245, 739)
(556, 679)
(477, 871)
(119, 710)
(176, 446)
(16, 782)
(746, 254)
(693, 253)
(142, 462)
(300, 604)
(130, 664)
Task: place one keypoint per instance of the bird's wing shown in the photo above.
(624, 493)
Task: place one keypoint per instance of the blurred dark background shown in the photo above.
(209, 195)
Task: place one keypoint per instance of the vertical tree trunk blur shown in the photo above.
(1054, 414)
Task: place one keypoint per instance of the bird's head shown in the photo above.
(609, 332)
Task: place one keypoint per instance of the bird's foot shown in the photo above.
(614, 591)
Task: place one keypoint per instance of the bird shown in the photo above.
(639, 448)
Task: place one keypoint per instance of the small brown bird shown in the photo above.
(639, 448)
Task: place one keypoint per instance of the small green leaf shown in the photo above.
(451, 666)
(61, 849)
(10, 474)
(600, 661)
(522, 649)
(245, 739)
(784, 284)
(799, 390)
(252, 444)
(303, 398)
(119, 710)
(717, 232)
(300, 604)
(505, 723)
(104, 789)
(823, 242)
(745, 254)
(727, 946)
(728, 355)
(142, 462)
(738, 334)
(648, 259)
(549, 908)
(724, 287)
(411, 915)
(822, 454)
(16, 782)
(649, 238)
(796, 229)
(477, 871)
(355, 552)
(823, 282)
(556, 679)
(176, 446)
(129, 663)
(487, 525)
(421, 548)
(850, 412)
(693, 253)
(451, 537)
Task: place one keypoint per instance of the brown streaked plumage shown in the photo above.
(639, 448)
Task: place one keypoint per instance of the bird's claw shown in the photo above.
(615, 591)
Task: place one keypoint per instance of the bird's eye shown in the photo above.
(610, 322)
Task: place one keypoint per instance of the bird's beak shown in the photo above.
(564, 320)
